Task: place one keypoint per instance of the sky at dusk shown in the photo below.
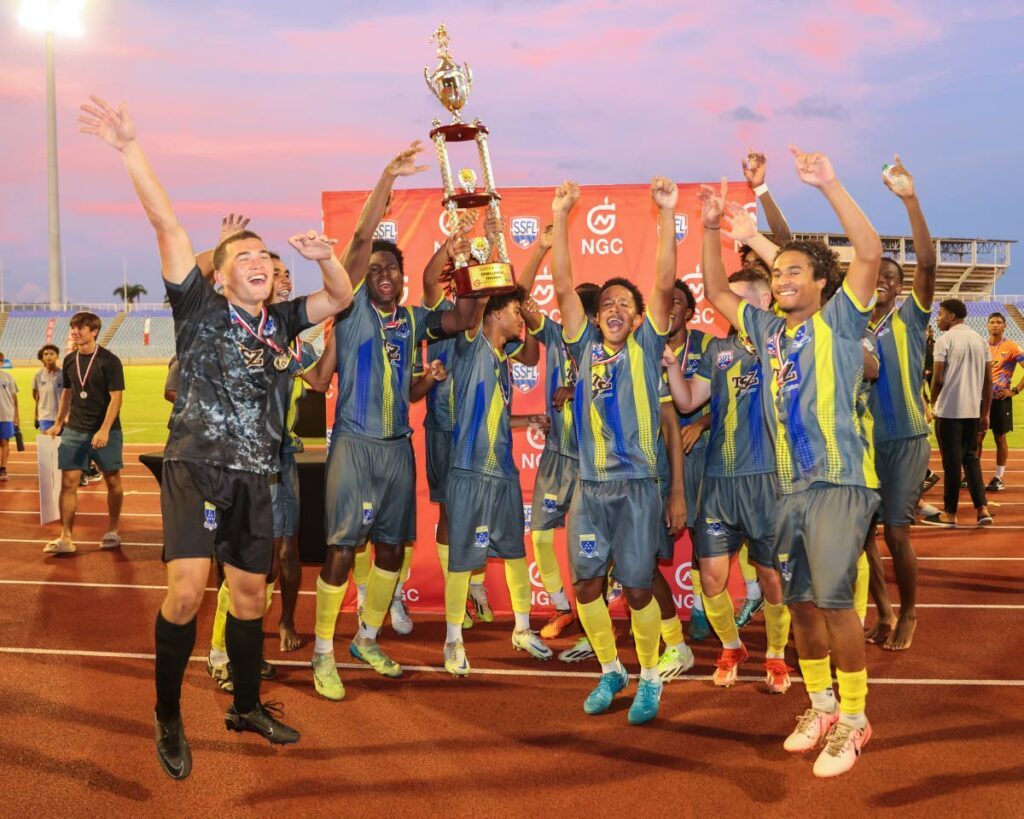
(260, 106)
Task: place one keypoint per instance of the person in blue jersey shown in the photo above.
(737, 498)
(488, 520)
(826, 475)
(370, 484)
(899, 426)
(615, 517)
(215, 493)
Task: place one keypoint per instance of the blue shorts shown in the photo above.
(284, 495)
(6, 430)
(76, 450)
(44, 425)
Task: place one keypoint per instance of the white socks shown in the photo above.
(1000, 470)
(613, 666)
(753, 589)
(522, 620)
(560, 600)
(322, 646)
(454, 633)
(824, 701)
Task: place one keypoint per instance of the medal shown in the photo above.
(78, 369)
(281, 362)
(265, 328)
(83, 394)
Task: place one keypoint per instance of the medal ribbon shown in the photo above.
(881, 325)
(78, 366)
(257, 334)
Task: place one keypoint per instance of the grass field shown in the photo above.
(145, 412)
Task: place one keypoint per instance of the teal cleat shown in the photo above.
(600, 699)
(369, 652)
(700, 628)
(646, 702)
(748, 610)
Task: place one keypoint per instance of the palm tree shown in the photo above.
(130, 292)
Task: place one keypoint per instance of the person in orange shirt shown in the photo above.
(1005, 356)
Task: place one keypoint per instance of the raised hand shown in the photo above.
(668, 358)
(458, 246)
(314, 246)
(754, 166)
(540, 423)
(814, 169)
(232, 224)
(740, 224)
(560, 396)
(493, 225)
(113, 126)
(664, 192)
(898, 179)
(712, 204)
(547, 236)
(405, 163)
(566, 196)
(531, 306)
(437, 370)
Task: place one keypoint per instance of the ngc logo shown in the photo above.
(535, 438)
(601, 218)
(525, 230)
(387, 230)
(442, 222)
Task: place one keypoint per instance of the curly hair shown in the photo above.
(824, 263)
(498, 303)
(622, 281)
(384, 246)
(684, 288)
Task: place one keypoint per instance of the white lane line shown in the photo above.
(147, 475)
(972, 559)
(77, 514)
(79, 542)
(494, 672)
(127, 492)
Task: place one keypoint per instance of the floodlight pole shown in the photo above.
(53, 200)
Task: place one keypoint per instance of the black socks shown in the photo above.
(244, 641)
(174, 645)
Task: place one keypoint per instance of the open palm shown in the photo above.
(113, 126)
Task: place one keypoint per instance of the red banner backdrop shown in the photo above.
(613, 232)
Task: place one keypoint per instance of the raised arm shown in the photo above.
(528, 276)
(573, 316)
(716, 283)
(229, 226)
(688, 394)
(665, 195)
(356, 256)
(336, 294)
(115, 127)
(742, 228)
(862, 275)
(433, 290)
(924, 248)
(318, 377)
(675, 509)
(754, 167)
(432, 374)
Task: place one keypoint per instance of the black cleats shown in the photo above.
(172, 748)
(262, 720)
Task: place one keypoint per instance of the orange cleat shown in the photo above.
(776, 678)
(727, 666)
(560, 622)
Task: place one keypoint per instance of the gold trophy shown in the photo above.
(475, 274)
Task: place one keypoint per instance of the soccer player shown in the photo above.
(1005, 356)
(488, 520)
(824, 467)
(10, 418)
(737, 498)
(89, 426)
(898, 424)
(616, 511)
(46, 387)
(215, 493)
(371, 476)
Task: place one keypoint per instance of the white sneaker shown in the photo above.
(842, 747)
(926, 510)
(673, 663)
(810, 730)
(400, 620)
(529, 641)
(456, 662)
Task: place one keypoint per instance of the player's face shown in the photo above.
(752, 261)
(996, 326)
(616, 314)
(82, 335)
(510, 321)
(793, 282)
(282, 282)
(757, 295)
(889, 284)
(248, 274)
(681, 313)
(384, 278)
(944, 319)
(49, 359)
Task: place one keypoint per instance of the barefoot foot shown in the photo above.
(880, 633)
(289, 639)
(903, 636)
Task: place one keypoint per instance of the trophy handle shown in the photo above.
(469, 77)
(426, 79)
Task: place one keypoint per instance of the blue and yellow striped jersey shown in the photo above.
(375, 361)
(896, 406)
(441, 398)
(697, 342)
(559, 371)
(664, 465)
(482, 438)
(616, 403)
(817, 368)
(742, 424)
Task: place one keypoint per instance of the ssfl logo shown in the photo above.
(387, 230)
(601, 218)
(682, 225)
(524, 378)
(525, 230)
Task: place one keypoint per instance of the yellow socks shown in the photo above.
(270, 597)
(477, 576)
(860, 588)
(597, 623)
(547, 563)
(403, 575)
(442, 556)
(220, 618)
(646, 633)
(328, 604)
(853, 691)
(817, 676)
(698, 601)
(379, 590)
(722, 617)
(746, 568)
(517, 575)
(672, 632)
(776, 626)
(456, 589)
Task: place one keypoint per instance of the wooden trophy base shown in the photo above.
(485, 280)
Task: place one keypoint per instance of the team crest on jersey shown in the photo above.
(802, 336)
(393, 351)
(209, 516)
(550, 502)
(715, 527)
(269, 326)
(588, 546)
(772, 345)
(682, 227)
(368, 513)
(524, 378)
(253, 359)
(747, 382)
(525, 230)
(482, 537)
(692, 365)
(600, 385)
(725, 359)
(784, 568)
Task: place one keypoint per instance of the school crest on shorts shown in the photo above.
(209, 516)
(550, 502)
(482, 537)
(715, 527)
(588, 546)
(525, 230)
(368, 513)
(784, 568)
(725, 360)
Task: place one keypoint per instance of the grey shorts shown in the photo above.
(439, 461)
(736, 509)
(616, 522)
(553, 489)
(284, 495)
(370, 491)
(667, 547)
(693, 473)
(76, 450)
(819, 536)
(900, 465)
(485, 519)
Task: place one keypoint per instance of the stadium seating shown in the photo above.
(129, 342)
(977, 319)
(26, 331)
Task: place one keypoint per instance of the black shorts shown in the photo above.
(1000, 417)
(213, 511)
